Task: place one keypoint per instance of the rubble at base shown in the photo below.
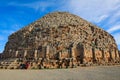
(59, 40)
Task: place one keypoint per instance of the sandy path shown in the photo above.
(81, 73)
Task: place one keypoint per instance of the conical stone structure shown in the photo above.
(62, 36)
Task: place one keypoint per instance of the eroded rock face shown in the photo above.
(61, 35)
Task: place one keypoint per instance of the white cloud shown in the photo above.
(114, 28)
(101, 18)
(92, 10)
(113, 17)
(37, 5)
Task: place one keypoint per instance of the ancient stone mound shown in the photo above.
(62, 39)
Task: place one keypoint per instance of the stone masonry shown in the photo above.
(61, 40)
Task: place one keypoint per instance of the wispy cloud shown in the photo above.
(93, 9)
(101, 18)
(36, 5)
(113, 18)
(114, 28)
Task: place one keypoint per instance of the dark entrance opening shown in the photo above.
(93, 54)
(80, 50)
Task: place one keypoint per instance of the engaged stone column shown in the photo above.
(25, 53)
(16, 54)
(113, 54)
(60, 55)
(47, 49)
(107, 56)
(117, 54)
(72, 52)
(47, 52)
(35, 54)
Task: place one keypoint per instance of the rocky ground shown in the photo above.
(81, 73)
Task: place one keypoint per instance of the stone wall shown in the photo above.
(62, 36)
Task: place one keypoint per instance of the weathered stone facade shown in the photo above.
(61, 39)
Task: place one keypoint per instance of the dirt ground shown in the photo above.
(81, 73)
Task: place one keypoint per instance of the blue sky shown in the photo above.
(15, 14)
